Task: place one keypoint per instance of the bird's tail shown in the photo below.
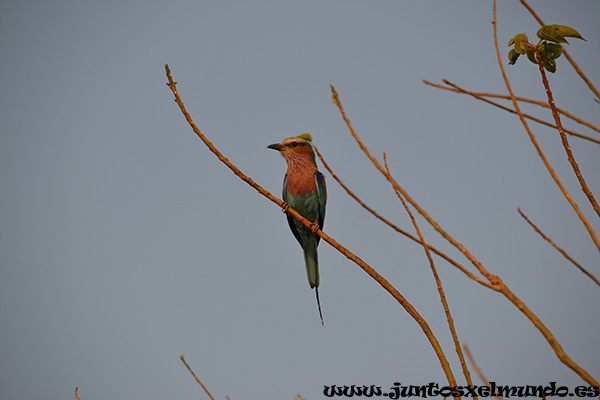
(311, 261)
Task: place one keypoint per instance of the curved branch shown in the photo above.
(351, 256)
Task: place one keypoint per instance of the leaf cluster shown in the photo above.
(548, 48)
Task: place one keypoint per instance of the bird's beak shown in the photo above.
(275, 146)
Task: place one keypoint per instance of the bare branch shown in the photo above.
(197, 380)
(564, 253)
(481, 96)
(479, 372)
(438, 281)
(563, 137)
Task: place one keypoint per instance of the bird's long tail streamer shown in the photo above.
(319, 304)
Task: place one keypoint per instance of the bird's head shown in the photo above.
(294, 148)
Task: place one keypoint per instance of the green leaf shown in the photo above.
(531, 56)
(549, 64)
(513, 56)
(567, 31)
(520, 41)
(554, 50)
(558, 33)
(552, 33)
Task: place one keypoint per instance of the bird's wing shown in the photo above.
(322, 196)
(284, 194)
(291, 220)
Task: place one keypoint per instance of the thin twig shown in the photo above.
(564, 253)
(197, 380)
(351, 256)
(481, 96)
(479, 372)
(77, 393)
(521, 99)
(563, 137)
(459, 89)
(398, 229)
(545, 331)
(577, 69)
(438, 281)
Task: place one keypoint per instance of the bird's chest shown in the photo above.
(301, 184)
(301, 194)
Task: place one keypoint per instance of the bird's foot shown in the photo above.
(285, 207)
(314, 227)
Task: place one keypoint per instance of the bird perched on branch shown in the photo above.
(304, 191)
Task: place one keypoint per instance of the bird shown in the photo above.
(304, 190)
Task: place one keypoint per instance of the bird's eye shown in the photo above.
(294, 144)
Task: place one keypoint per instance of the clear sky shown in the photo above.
(125, 243)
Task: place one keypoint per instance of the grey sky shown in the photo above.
(125, 243)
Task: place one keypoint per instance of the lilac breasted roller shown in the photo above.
(304, 190)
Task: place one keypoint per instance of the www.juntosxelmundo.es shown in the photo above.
(432, 389)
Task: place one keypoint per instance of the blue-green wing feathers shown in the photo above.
(322, 196)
